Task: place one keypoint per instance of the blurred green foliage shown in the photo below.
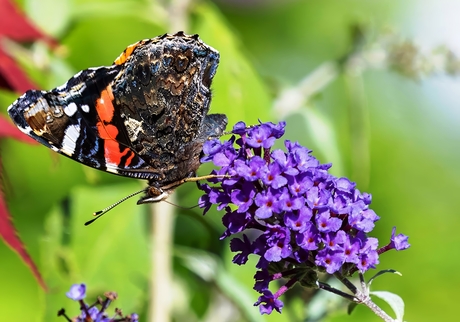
(396, 136)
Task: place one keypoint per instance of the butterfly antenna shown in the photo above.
(99, 213)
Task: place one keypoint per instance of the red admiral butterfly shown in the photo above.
(143, 117)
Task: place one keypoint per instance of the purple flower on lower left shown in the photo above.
(96, 311)
(77, 292)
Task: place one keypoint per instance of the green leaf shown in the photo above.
(19, 289)
(109, 255)
(322, 136)
(395, 301)
(98, 41)
(324, 303)
(210, 269)
(381, 273)
(351, 307)
(238, 90)
(132, 10)
(42, 11)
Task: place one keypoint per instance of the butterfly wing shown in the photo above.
(144, 117)
(78, 120)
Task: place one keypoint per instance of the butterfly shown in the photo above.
(145, 116)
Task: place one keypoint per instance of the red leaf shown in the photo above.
(11, 76)
(16, 26)
(7, 230)
(11, 238)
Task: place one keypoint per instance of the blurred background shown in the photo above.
(371, 86)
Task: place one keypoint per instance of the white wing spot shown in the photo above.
(70, 109)
(85, 108)
(72, 132)
(134, 127)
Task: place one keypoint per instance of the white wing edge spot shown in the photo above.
(70, 109)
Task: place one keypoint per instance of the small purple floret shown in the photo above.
(77, 292)
(399, 242)
(270, 303)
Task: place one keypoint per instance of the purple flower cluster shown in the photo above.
(295, 215)
(91, 313)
